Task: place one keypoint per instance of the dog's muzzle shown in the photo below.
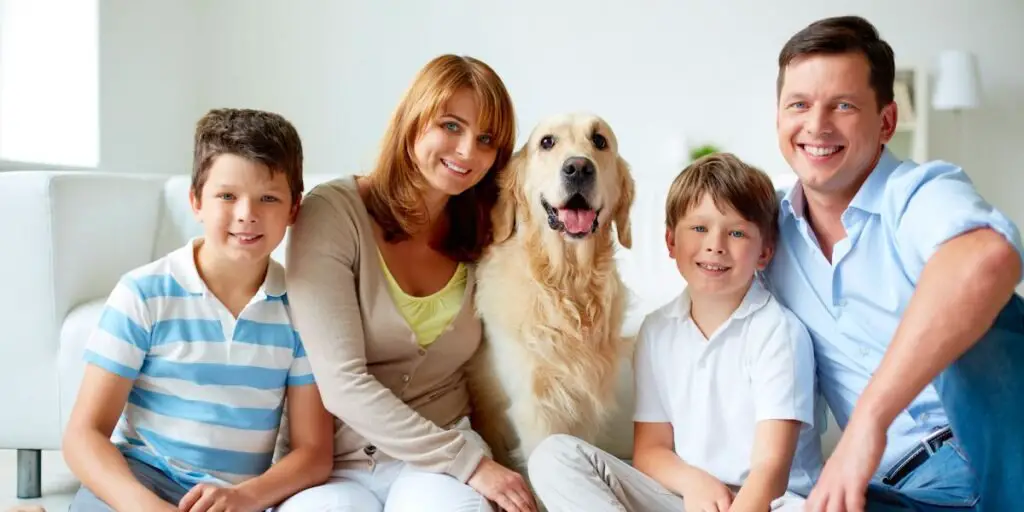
(576, 219)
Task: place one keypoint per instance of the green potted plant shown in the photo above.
(703, 150)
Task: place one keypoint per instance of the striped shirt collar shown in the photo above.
(184, 270)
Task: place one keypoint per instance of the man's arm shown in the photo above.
(967, 256)
(87, 448)
(311, 458)
(961, 290)
(774, 445)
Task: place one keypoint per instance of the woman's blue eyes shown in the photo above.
(454, 127)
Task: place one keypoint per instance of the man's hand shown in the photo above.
(844, 479)
(210, 498)
(705, 493)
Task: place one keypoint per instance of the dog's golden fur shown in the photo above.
(552, 304)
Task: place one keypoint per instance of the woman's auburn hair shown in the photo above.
(395, 192)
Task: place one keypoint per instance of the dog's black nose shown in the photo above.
(578, 171)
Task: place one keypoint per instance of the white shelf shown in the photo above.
(913, 104)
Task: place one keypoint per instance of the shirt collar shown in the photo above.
(184, 270)
(756, 297)
(868, 198)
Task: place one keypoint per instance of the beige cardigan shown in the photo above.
(390, 397)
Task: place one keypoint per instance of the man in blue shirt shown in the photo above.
(905, 278)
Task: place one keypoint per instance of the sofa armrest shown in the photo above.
(67, 237)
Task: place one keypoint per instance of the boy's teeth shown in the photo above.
(821, 151)
(454, 167)
(707, 266)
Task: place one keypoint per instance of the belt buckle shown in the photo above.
(926, 442)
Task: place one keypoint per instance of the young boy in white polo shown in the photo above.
(726, 402)
(194, 355)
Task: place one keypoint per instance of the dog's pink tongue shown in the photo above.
(577, 221)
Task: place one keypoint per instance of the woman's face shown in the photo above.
(451, 151)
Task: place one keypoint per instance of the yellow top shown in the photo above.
(428, 316)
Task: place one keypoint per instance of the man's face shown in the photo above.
(830, 127)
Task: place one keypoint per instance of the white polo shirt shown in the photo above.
(759, 365)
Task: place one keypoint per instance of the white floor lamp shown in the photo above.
(957, 88)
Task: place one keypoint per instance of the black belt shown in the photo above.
(913, 459)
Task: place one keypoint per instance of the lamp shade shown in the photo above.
(957, 85)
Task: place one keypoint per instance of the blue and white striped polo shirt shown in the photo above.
(208, 388)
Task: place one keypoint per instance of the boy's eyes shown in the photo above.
(735, 233)
(228, 196)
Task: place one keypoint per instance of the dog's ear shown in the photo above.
(625, 204)
(510, 196)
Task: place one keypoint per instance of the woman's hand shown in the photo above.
(503, 486)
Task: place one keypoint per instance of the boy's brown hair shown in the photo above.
(395, 198)
(731, 183)
(257, 135)
(844, 34)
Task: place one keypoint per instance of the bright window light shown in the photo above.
(49, 82)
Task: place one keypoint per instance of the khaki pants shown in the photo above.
(568, 474)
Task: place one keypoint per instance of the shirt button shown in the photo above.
(405, 378)
(423, 351)
(863, 350)
(370, 450)
(924, 417)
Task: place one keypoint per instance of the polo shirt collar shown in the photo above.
(756, 298)
(186, 273)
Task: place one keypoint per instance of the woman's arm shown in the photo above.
(774, 444)
(325, 306)
(87, 448)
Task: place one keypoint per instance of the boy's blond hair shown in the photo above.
(731, 183)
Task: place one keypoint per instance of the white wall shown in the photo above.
(150, 55)
(657, 70)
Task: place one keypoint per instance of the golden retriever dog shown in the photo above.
(548, 290)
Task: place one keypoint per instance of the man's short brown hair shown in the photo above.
(844, 34)
(731, 183)
(257, 135)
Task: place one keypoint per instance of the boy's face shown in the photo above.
(717, 252)
(245, 211)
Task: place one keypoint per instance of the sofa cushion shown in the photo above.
(74, 335)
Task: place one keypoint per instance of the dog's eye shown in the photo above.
(600, 142)
(547, 142)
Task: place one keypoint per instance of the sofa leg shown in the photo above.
(29, 474)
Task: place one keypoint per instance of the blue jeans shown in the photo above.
(982, 467)
(154, 480)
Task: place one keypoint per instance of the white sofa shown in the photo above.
(68, 236)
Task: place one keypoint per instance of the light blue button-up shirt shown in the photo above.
(853, 304)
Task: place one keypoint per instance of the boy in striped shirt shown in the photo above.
(195, 354)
